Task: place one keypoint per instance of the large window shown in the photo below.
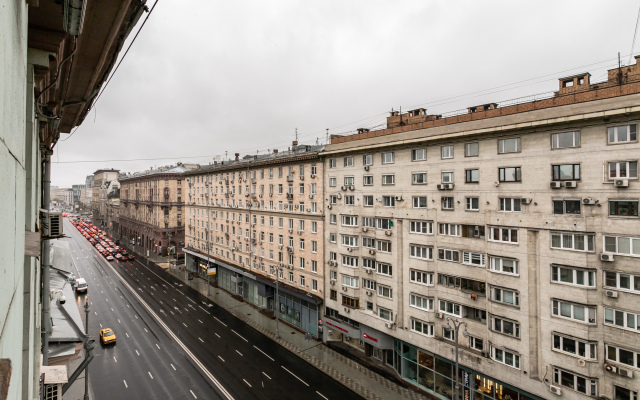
(621, 134)
(385, 291)
(505, 296)
(572, 241)
(624, 208)
(449, 229)
(574, 346)
(629, 246)
(349, 281)
(505, 357)
(576, 312)
(565, 140)
(620, 393)
(420, 202)
(448, 255)
(350, 302)
(504, 326)
(367, 180)
(509, 145)
(472, 176)
(446, 151)
(418, 154)
(510, 204)
(509, 174)
(367, 159)
(566, 172)
(388, 201)
(388, 179)
(623, 169)
(475, 259)
(421, 277)
(350, 220)
(450, 308)
(384, 246)
(575, 382)
(384, 223)
(504, 235)
(385, 314)
(419, 178)
(472, 203)
(564, 206)
(422, 327)
(349, 261)
(622, 319)
(384, 269)
(623, 356)
(423, 227)
(573, 276)
(388, 158)
(447, 203)
(350, 241)
(348, 161)
(421, 252)
(622, 281)
(471, 149)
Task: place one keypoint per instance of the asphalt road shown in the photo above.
(174, 343)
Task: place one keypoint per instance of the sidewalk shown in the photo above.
(350, 373)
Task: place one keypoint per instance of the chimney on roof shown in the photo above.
(362, 130)
(294, 146)
(237, 156)
(275, 151)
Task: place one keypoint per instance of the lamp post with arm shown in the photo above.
(277, 305)
(456, 329)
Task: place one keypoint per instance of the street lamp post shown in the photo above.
(86, 330)
(456, 329)
(277, 305)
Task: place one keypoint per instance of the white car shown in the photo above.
(109, 258)
(81, 285)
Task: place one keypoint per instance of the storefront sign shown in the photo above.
(211, 271)
(369, 337)
(336, 326)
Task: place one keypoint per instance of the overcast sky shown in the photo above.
(209, 77)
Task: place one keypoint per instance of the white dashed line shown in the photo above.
(193, 394)
(200, 321)
(145, 329)
(265, 354)
(205, 310)
(157, 346)
(239, 353)
(201, 340)
(150, 374)
(225, 325)
(185, 325)
(114, 359)
(319, 394)
(240, 336)
(248, 384)
(294, 375)
(174, 368)
(217, 335)
(221, 358)
(136, 316)
(100, 326)
(125, 384)
(266, 375)
(119, 321)
(137, 352)
(126, 334)
(95, 313)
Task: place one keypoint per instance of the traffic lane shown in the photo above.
(119, 352)
(253, 342)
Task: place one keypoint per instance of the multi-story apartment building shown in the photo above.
(105, 181)
(519, 220)
(151, 210)
(253, 218)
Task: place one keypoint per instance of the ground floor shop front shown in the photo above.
(296, 309)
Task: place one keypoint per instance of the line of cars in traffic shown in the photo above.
(99, 239)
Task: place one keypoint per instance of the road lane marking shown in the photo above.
(239, 353)
(157, 346)
(126, 334)
(200, 321)
(145, 329)
(240, 336)
(320, 394)
(150, 374)
(174, 299)
(125, 384)
(294, 375)
(266, 355)
(225, 325)
(217, 335)
(266, 375)
(221, 358)
(112, 309)
(137, 352)
(205, 310)
(119, 321)
(135, 316)
(114, 359)
(193, 394)
(107, 299)
(174, 368)
(248, 384)
(191, 300)
(100, 326)
(185, 325)
(201, 340)
(95, 312)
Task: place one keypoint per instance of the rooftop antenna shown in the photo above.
(296, 134)
(226, 155)
(327, 135)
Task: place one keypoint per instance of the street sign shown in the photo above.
(211, 271)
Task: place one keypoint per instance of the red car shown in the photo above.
(131, 257)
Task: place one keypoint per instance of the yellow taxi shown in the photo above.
(107, 336)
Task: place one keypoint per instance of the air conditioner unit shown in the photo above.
(449, 186)
(301, 177)
(369, 270)
(388, 324)
(366, 167)
(611, 368)
(369, 293)
(441, 186)
(329, 206)
(311, 196)
(344, 288)
(626, 373)
(387, 233)
(339, 195)
(333, 281)
(621, 183)
(290, 249)
(589, 201)
(290, 230)
(352, 188)
(606, 257)
(439, 315)
(372, 251)
(52, 224)
(344, 188)
(555, 185)
(313, 175)
(555, 390)
(349, 249)
(612, 293)
(398, 198)
(364, 229)
(347, 310)
(525, 200)
(308, 210)
(260, 195)
(571, 184)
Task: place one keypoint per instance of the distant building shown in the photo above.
(105, 185)
(77, 193)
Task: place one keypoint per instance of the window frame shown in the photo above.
(501, 145)
(614, 130)
(576, 139)
(449, 152)
(414, 152)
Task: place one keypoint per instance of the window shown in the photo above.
(572, 241)
(421, 252)
(449, 229)
(348, 181)
(472, 176)
(504, 326)
(448, 334)
(349, 200)
(385, 291)
(505, 357)
(349, 261)
(563, 206)
(573, 276)
(565, 140)
(418, 154)
(314, 227)
(448, 255)
(509, 145)
(573, 346)
(367, 159)
(333, 162)
(385, 314)
(447, 177)
(622, 245)
(446, 151)
(367, 180)
(349, 281)
(388, 179)
(350, 241)
(623, 169)
(333, 295)
(472, 204)
(509, 204)
(424, 278)
(620, 393)
(474, 259)
(368, 284)
(476, 343)
(447, 203)
(367, 201)
(473, 231)
(419, 178)
(621, 134)
(622, 319)
(620, 281)
(333, 182)
(384, 269)
(622, 356)
(503, 235)
(384, 223)
(348, 161)
(388, 158)
(566, 172)
(424, 227)
(368, 263)
(389, 201)
(576, 312)
(420, 202)
(422, 327)
(575, 382)
(623, 208)
(368, 222)
(505, 296)
(350, 302)
(384, 246)
(471, 149)
(450, 308)
(350, 220)
(509, 174)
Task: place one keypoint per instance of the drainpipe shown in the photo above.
(46, 261)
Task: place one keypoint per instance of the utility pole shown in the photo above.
(208, 236)
(46, 262)
(277, 305)
(86, 352)
(456, 329)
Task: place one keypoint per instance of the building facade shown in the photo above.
(151, 211)
(77, 194)
(520, 221)
(105, 183)
(253, 218)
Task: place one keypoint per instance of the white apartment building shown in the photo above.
(519, 220)
(256, 217)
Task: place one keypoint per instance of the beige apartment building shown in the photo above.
(151, 209)
(256, 217)
(105, 183)
(518, 220)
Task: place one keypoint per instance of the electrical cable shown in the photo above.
(635, 32)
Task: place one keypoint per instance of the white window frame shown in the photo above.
(419, 154)
(421, 252)
(388, 179)
(496, 294)
(421, 227)
(421, 277)
(446, 152)
(590, 347)
(501, 229)
(617, 172)
(496, 264)
(611, 318)
(588, 240)
(388, 157)
(468, 258)
(510, 204)
(575, 139)
(420, 302)
(443, 307)
(500, 355)
(556, 304)
(612, 131)
(588, 275)
(469, 204)
(501, 145)
(419, 202)
(422, 327)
